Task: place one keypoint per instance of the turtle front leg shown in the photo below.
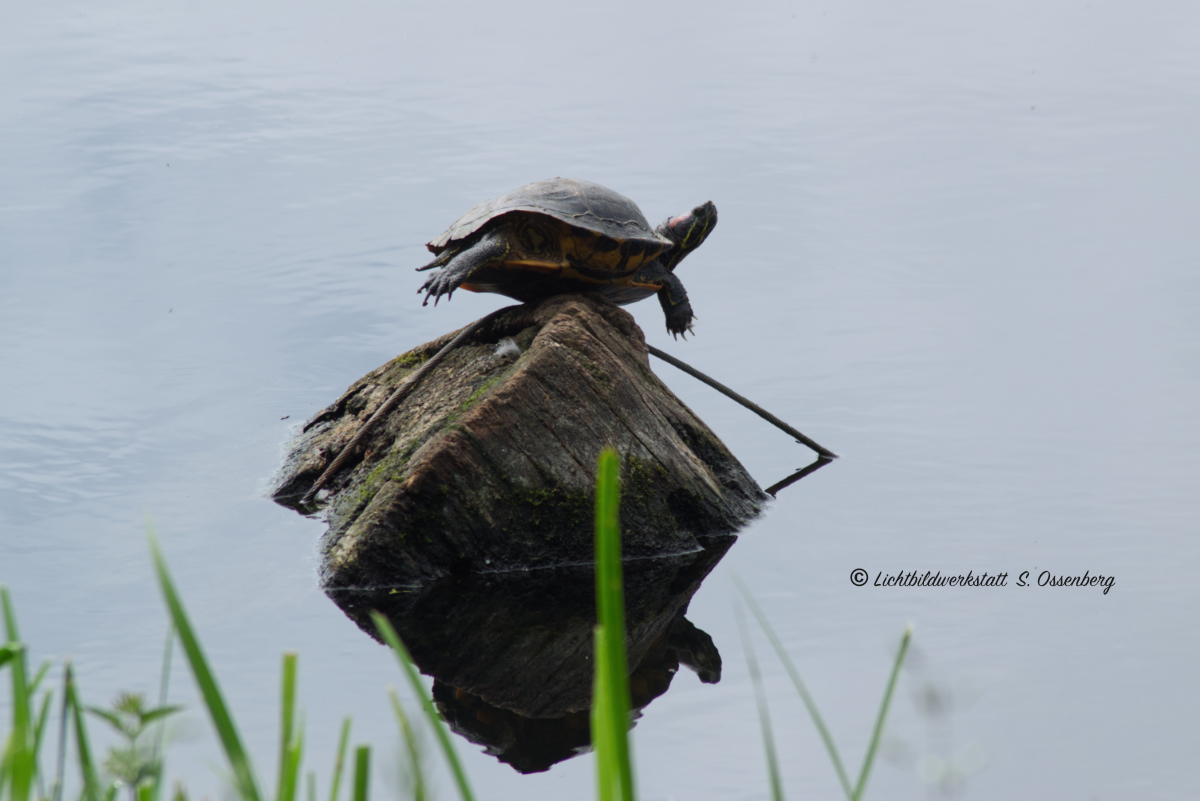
(491, 247)
(671, 295)
(678, 310)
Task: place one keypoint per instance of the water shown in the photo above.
(957, 246)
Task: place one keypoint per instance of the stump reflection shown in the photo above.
(511, 653)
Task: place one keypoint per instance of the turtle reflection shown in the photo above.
(511, 653)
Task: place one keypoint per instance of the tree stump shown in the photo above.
(489, 463)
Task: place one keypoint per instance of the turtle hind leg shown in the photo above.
(492, 247)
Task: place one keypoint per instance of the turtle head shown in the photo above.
(686, 232)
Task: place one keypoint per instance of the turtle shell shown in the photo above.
(580, 204)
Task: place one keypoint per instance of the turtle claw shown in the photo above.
(436, 298)
(437, 286)
(682, 331)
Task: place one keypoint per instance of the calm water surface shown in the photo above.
(958, 246)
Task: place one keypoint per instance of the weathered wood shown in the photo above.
(489, 464)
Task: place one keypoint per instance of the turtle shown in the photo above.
(563, 235)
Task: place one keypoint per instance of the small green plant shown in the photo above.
(134, 764)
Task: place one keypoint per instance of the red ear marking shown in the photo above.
(679, 219)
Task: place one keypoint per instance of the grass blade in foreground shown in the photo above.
(877, 734)
(854, 793)
(610, 696)
(38, 731)
(60, 762)
(243, 773)
(339, 766)
(290, 735)
(92, 789)
(20, 755)
(416, 775)
(760, 698)
(809, 703)
(362, 772)
(384, 627)
(164, 683)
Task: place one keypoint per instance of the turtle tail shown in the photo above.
(442, 258)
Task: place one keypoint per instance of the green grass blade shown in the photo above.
(384, 627)
(362, 772)
(610, 702)
(164, 684)
(87, 768)
(801, 689)
(60, 763)
(37, 679)
(610, 593)
(11, 633)
(608, 771)
(222, 720)
(19, 756)
(885, 704)
(296, 755)
(764, 715)
(288, 763)
(38, 731)
(40, 727)
(410, 743)
(8, 653)
(339, 765)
